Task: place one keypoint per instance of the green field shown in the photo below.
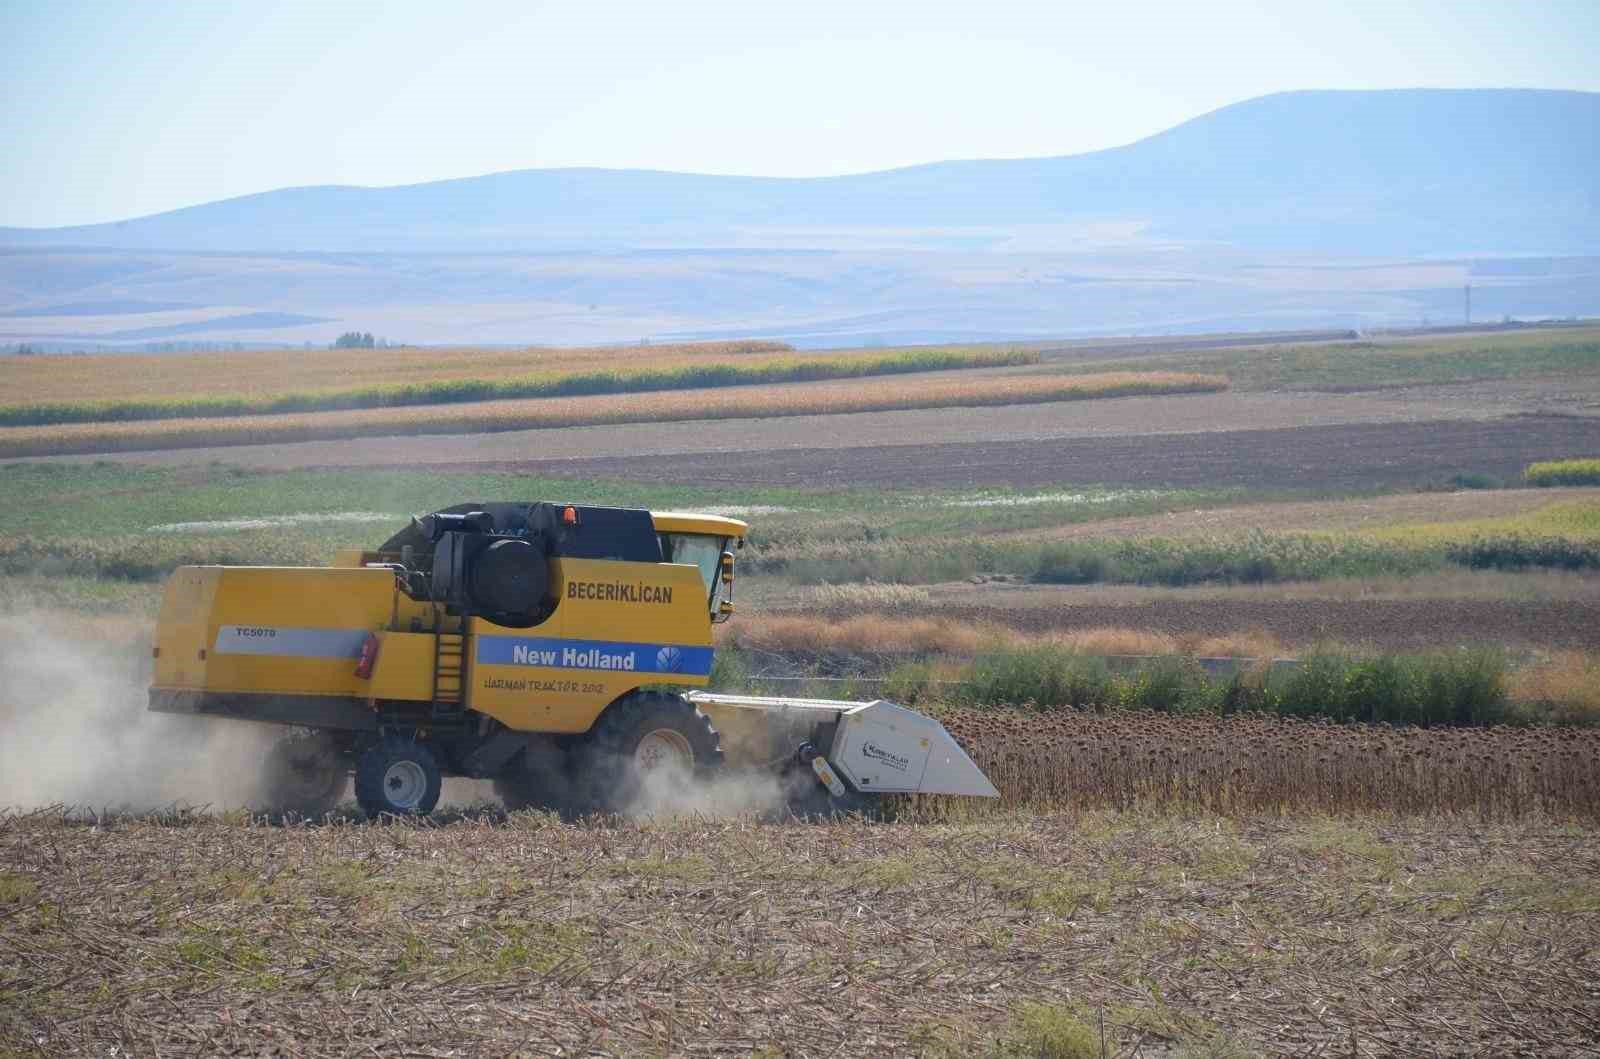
(138, 522)
(1383, 362)
(121, 521)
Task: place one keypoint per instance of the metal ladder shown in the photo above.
(449, 662)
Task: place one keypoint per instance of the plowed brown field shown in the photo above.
(1353, 456)
(930, 431)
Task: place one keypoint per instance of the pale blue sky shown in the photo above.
(111, 110)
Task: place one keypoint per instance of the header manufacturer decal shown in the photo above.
(888, 757)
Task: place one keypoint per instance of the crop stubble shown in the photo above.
(1218, 902)
(1271, 934)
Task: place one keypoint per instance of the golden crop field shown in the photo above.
(105, 376)
(501, 385)
(1577, 519)
(787, 399)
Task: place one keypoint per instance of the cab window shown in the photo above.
(697, 549)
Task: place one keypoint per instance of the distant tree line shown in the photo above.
(363, 340)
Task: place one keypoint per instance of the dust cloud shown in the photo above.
(74, 729)
(670, 791)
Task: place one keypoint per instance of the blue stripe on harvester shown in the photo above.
(599, 655)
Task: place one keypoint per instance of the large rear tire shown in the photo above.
(304, 774)
(647, 752)
(397, 776)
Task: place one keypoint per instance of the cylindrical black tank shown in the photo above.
(509, 580)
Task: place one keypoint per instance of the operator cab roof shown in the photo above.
(688, 522)
(591, 532)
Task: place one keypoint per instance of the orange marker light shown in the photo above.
(570, 516)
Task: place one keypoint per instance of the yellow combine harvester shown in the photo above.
(529, 643)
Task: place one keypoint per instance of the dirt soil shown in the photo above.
(1348, 456)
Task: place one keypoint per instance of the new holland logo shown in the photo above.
(888, 757)
(669, 660)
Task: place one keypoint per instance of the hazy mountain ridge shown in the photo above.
(1418, 171)
(1300, 210)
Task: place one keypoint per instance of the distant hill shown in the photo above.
(1372, 173)
(1337, 210)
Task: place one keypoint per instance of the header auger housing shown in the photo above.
(528, 643)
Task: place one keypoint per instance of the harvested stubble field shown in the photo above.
(929, 390)
(1174, 935)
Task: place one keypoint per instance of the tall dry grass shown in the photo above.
(863, 595)
(1565, 686)
(877, 633)
(793, 399)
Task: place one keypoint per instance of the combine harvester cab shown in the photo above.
(528, 643)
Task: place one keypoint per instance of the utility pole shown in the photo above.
(1469, 304)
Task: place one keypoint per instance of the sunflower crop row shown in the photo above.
(1254, 763)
